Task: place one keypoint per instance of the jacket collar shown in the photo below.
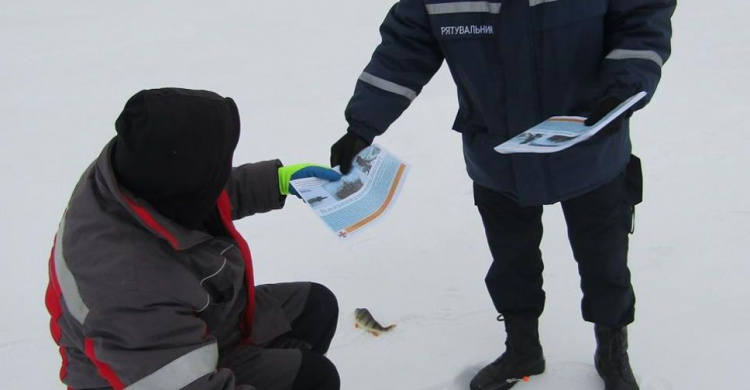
(179, 237)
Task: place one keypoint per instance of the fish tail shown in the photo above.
(382, 328)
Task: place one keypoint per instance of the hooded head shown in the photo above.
(174, 150)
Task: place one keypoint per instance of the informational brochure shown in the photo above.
(561, 132)
(361, 197)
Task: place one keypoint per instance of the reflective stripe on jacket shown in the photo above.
(516, 63)
(139, 302)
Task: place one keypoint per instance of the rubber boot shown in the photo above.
(611, 358)
(522, 357)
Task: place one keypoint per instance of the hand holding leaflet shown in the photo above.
(561, 132)
(602, 108)
(360, 197)
(301, 171)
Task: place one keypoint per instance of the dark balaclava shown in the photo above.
(174, 150)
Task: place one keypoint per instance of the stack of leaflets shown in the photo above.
(561, 132)
(361, 197)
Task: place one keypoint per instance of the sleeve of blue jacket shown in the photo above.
(638, 34)
(401, 65)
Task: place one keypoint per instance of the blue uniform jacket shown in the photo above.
(516, 63)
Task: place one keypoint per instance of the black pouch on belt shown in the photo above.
(634, 180)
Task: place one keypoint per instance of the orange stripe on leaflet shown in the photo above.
(383, 207)
(576, 120)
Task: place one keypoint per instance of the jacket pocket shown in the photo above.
(561, 13)
(220, 288)
(223, 280)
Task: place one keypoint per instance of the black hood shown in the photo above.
(174, 150)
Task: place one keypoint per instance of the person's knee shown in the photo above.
(323, 300)
(316, 372)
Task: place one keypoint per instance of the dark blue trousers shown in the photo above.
(598, 222)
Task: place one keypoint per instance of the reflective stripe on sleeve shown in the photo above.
(624, 54)
(68, 286)
(463, 7)
(182, 371)
(388, 86)
(537, 2)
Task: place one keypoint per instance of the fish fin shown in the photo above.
(389, 327)
(375, 333)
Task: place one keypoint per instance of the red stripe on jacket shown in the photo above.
(225, 211)
(149, 220)
(105, 371)
(52, 300)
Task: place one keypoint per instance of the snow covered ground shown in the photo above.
(68, 67)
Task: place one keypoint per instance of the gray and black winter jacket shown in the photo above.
(140, 302)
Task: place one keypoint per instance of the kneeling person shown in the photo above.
(151, 285)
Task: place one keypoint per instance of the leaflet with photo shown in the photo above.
(561, 132)
(361, 197)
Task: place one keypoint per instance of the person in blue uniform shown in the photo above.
(515, 63)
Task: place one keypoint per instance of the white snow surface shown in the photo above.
(68, 67)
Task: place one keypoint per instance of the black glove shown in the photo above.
(602, 108)
(344, 150)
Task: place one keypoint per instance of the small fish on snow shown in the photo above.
(364, 319)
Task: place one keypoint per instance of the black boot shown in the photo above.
(522, 357)
(611, 358)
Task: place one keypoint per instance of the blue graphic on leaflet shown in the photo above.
(552, 133)
(562, 126)
(359, 208)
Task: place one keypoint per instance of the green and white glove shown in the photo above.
(301, 171)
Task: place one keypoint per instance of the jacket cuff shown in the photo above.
(363, 132)
(254, 188)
